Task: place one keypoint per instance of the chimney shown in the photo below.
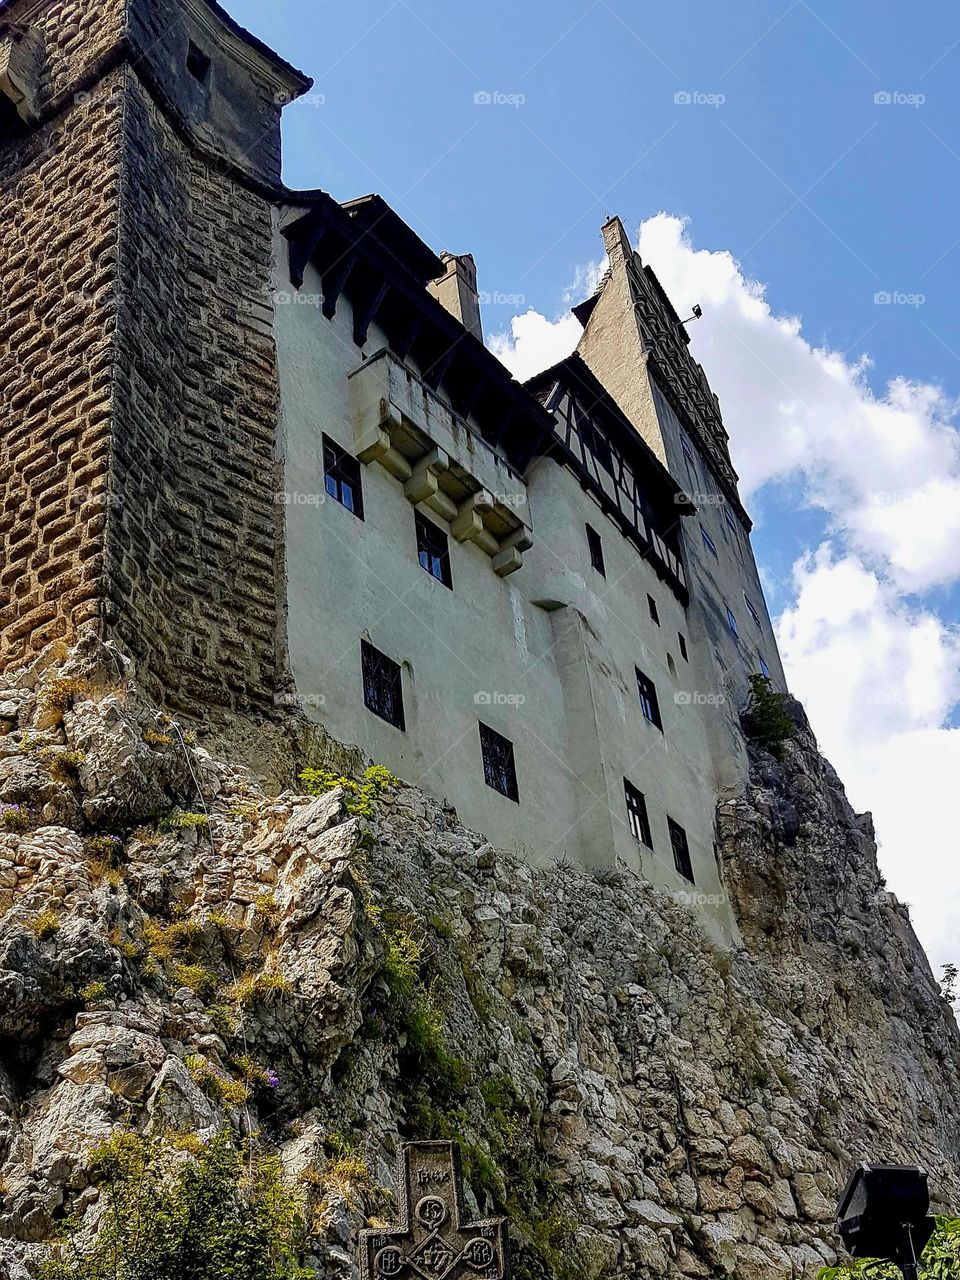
(456, 290)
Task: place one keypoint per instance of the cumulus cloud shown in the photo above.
(877, 671)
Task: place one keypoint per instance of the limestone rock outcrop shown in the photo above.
(179, 947)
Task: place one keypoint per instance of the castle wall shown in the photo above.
(193, 560)
(59, 196)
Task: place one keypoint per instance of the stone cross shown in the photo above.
(434, 1241)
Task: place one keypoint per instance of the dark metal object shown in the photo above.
(883, 1213)
(434, 1241)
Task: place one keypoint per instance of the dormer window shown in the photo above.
(198, 64)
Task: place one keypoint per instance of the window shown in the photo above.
(732, 624)
(648, 699)
(672, 665)
(652, 606)
(433, 550)
(681, 850)
(198, 64)
(730, 518)
(709, 543)
(341, 475)
(595, 543)
(683, 647)
(687, 448)
(751, 610)
(382, 686)
(764, 669)
(499, 766)
(637, 814)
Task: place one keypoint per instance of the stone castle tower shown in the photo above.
(139, 154)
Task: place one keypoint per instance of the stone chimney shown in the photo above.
(456, 290)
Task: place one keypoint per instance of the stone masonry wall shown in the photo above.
(59, 201)
(192, 556)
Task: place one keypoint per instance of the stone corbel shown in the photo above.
(509, 558)
(374, 445)
(425, 481)
(467, 525)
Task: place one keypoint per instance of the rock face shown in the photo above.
(341, 973)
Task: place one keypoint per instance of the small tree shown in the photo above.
(948, 983)
(170, 1216)
(768, 720)
(940, 1261)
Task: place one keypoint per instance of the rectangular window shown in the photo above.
(687, 448)
(730, 518)
(637, 814)
(751, 610)
(499, 766)
(732, 624)
(652, 606)
(648, 699)
(382, 685)
(683, 647)
(709, 543)
(681, 850)
(198, 63)
(433, 550)
(341, 474)
(595, 543)
(764, 669)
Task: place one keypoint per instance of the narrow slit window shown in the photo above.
(751, 610)
(654, 613)
(681, 850)
(433, 550)
(595, 543)
(649, 704)
(683, 647)
(764, 669)
(341, 477)
(382, 685)
(732, 623)
(198, 63)
(730, 519)
(637, 814)
(709, 543)
(499, 765)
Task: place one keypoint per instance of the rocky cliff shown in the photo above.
(180, 947)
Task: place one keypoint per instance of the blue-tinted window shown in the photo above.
(709, 543)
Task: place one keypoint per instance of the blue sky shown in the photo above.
(786, 196)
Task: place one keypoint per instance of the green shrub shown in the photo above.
(940, 1261)
(14, 817)
(181, 821)
(768, 720)
(361, 797)
(169, 1216)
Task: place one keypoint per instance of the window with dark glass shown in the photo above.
(732, 623)
(434, 550)
(382, 685)
(198, 63)
(683, 647)
(648, 699)
(499, 766)
(652, 606)
(687, 448)
(681, 850)
(751, 610)
(341, 477)
(595, 543)
(637, 814)
(709, 543)
(764, 669)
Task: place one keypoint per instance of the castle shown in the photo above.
(254, 436)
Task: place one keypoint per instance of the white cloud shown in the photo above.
(879, 676)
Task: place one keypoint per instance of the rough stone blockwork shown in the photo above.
(193, 546)
(59, 194)
(641, 1103)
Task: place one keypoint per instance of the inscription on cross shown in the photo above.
(434, 1241)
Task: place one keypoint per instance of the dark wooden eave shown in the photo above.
(365, 252)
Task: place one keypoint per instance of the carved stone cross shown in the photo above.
(434, 1241)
